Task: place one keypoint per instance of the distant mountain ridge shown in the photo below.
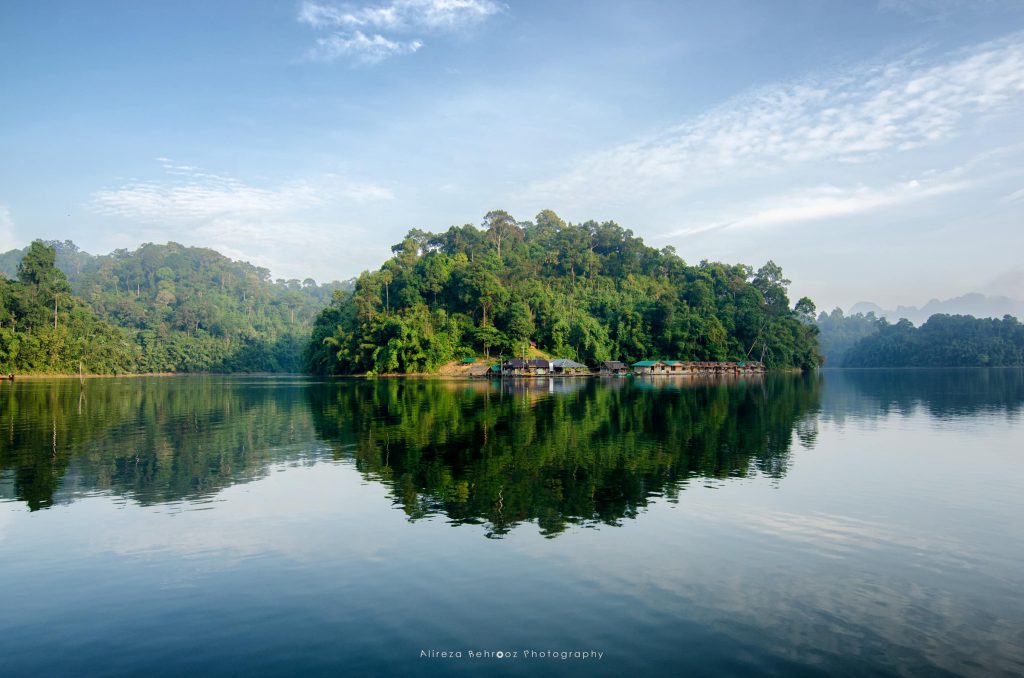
(973, 304)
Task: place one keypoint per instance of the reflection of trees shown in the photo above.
(502, 455)
(558, 453)
(947, 392)
(157, 440)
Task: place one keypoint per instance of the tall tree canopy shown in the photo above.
(590, 291)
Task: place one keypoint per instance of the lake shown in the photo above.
(846, 523)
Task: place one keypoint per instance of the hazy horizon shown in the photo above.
(874, 151)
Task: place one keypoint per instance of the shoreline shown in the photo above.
(398, 375)
(133, 375)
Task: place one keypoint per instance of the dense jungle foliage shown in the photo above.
(590, 291)
(160, 308)
(45, 328)
(943, 341)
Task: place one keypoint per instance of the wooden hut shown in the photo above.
(517, 367)
(566, 367)
(649, 367)
(676, 367)
(613, 368)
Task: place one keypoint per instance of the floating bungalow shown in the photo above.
(646, 368)
(517, 367)
(564, 367)
(613, 368)
(520, 367)
(567, 367)
(684, 367)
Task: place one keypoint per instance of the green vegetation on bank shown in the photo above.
(590, 291)
(160, 308)
(943, 341)
(45, 328)
(859, 340)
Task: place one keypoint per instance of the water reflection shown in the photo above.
(154, 440)
(942, 393)
(558, 452)
(554, 451)
(891, 548)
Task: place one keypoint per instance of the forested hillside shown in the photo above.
(45, 328)
(590, 291)
(943, 341)
(180, 309)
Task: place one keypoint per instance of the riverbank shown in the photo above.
(36, 376)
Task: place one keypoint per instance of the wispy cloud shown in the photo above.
(263, 224)
(190, 195)
(825, 202)
(408, 15)
(367, 34)
(200, 197)
(361, 48)
(858, 116)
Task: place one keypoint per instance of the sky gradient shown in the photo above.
(875, 151)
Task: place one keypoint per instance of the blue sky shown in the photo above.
(874, 150)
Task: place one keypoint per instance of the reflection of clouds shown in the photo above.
(834, 535)
(254, 521)
(832, 592)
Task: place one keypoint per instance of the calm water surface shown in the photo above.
(852, 523)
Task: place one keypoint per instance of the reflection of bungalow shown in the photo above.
(613, 368)
(517, 367)
(648, 367)
(566, 366)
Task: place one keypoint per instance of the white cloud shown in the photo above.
(401, 15)
(360, 47)
(276, 226)
(191, 195)
(826, 202)
(360, 30)
(865, 114)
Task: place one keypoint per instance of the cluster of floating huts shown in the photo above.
(520, 367)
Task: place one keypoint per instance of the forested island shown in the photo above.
(590, 292)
